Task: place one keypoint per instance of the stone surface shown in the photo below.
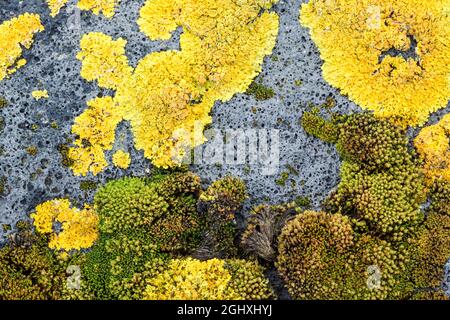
(52, 65)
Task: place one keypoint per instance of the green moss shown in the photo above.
(6, 227)
(298, 83)
(319, 127)
(329, 103)
(303, 201)
(28, 269)
(260, 92)
(54, 125)
(34, 127)
(88, 185)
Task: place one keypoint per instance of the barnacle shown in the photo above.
(121, 159)
(15, 34)
(79, 227)
(107, 7)
(40, 94)
(433, 145)
(390, 57)
(168, 96)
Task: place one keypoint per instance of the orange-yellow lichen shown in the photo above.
(391, 57)
(40, 94)
(95, 131)
(168, 96)
(107, 7)
(79, 228)
(433, 145)
(121, 159)
(15, 34)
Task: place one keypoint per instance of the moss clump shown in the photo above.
(381, 181)
(117, 262)
(263, 228)
(32, 151)
(281, 181)
(28, 269)
(3, 103)
(220, 203)
(260, 92)
(247, 280)
(303, 202)
(164, 207)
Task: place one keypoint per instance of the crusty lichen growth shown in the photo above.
(107, 7)
(55, 6)
(95, 130)
(39, 94)
(214, 279)
(121, 159)
(168, 96)
(79, 227)
(16, 34)
(433, 145)
(370, 44)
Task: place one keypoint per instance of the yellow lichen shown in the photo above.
(55, 6)
(95, 130)
(168, 96)
(190, 279)
(107, 7)
(370, 53)
(79, 228)
(121, 159)
(15, 34)
(40, 94)
(433, 145)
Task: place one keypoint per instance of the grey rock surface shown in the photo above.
(52, 65)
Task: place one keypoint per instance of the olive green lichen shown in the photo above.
(260, 92)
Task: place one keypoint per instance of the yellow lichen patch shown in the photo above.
(107, 7)
(95, 131)
(40, 94)
(433, 145)
(391, 57)
(79, 228)
(122, 159)
(169, 95)
(15, 34)
(55, 6)
(190, 279)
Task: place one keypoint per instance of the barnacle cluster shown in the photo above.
(168, 96)
(16, 34)
(107, 7)
(396, 48)
(79, 227)
(433, 143)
